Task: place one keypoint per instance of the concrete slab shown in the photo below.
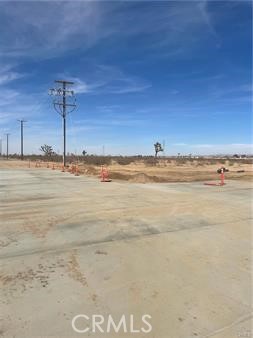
(73, 245)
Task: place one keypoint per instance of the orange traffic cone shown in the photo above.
(76, 170)
(104, 175)
(222, 178)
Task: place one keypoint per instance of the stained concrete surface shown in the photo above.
(73, 245)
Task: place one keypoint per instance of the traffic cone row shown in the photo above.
(73, 169)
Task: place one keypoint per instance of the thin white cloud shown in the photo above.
(212, 149)
(9, 77)
(108, 79)
(179, 144)
(7, 73)
(48, 29)
(53, 27)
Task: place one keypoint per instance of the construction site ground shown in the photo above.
(70, 245)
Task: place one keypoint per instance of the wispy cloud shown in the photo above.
(9, 77)
(55, 28)
(212, 149)
(109, 79)
(62, 26)
(8, 74)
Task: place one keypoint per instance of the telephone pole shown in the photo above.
(22, 138)
(7, 145)
(61, 106)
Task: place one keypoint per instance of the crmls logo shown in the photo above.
(98, 323)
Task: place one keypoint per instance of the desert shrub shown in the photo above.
(181, 161)
(125, 160)
(151, 161)
(97, 160)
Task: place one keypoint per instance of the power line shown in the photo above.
(22, 138)
(61, 106)
(7, 145)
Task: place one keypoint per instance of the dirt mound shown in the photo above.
(89, 170)
(119, 176)
(141, 178)
(136, 178)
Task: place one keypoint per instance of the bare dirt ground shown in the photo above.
(73, 245)
(164, 171)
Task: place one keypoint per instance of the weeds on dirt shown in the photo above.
(99, 160)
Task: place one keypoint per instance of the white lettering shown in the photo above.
(149, 329)
(74, 324)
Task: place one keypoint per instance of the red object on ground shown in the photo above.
(104, 175)
(222, 180)
(76, 170)
(73, 169)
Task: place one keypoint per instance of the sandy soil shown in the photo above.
(163, 172)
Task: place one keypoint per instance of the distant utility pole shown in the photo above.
(22, 138)
(7, 145)
(61, 106)
(0, 147)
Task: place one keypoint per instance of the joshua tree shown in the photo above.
(47, 150)
(158, 148)
(84, 152)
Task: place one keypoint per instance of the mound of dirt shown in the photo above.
(141, 178)
(119, 176)
(90, 170)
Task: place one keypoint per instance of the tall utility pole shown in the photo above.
(7, 145)
(61, 106)
(0, 147)
(163, 147)
(22, 138)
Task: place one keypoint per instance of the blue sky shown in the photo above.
(144, 71)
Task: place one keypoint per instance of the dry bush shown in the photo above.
(181, 161)
(150, 161)
(96, 160)
(124, 160)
